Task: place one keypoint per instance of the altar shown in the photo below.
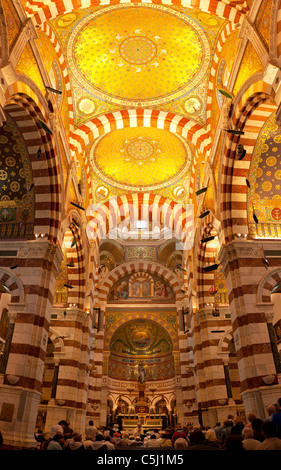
(141, 411)
(151, 421)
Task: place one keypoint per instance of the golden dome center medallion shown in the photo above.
(138, 50)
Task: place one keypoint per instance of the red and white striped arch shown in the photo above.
(227, 30)
(93, 129)
(26, 109)
(13, 284)
(177, 124)
(76, 273)
(188, 129)
(131, 207)
(45, 11)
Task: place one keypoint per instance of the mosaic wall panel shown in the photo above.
(61, 292)
(250, 64)
(12, 20)
(27, 65)
(263, 20)
(140, 252)
(16, 191)
(141, 342)
(141, 289)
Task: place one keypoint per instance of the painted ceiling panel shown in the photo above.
(138, 56)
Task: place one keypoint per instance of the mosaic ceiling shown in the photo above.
(16, 186)
(127, 56)
(123, 158)
(141, 341)
(157, 64)
(138, 56)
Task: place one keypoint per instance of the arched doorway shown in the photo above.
(5, 298)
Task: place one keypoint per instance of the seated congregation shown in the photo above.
(232, 434)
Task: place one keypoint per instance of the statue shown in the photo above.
(141, 371)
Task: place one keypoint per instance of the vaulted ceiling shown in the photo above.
(143, 72)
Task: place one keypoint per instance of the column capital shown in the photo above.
(14, 309)
(240, 249)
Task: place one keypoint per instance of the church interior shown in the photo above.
(140, 212)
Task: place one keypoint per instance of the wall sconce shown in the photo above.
(60, 402)
(222, 401)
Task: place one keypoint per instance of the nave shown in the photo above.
(140, 215)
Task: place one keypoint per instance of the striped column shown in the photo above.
(210, 377)
(243, 268)
(94, 399)
(38, 264)
(72, 379)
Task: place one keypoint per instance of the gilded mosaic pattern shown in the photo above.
(16, 190)
(142, 47)
(140, 158)
(142, 289)
(264, 197)
(27, 65)
(12, 20)
(61, 292)
(141, 341)
(119, 39)
(140, 252)
(250, 64)
(221, 296)
(263, 20)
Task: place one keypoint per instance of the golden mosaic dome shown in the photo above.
(140, 158)
(138, 55)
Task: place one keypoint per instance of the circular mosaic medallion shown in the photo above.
(179, 192)
(15, 186)
(66, 20)
(3, 175)
(277, 139)
(207, 19)
(271, 161)
(140, 159)
(86, 106)
(267, 185)
(141, 339)
(193, 105)
(10, 161)
(140, 149)
(101, 192)
(138, 50)
(276, 213)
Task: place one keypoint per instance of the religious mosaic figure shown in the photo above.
(161, 290)
(122, 291)
(141, 372)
